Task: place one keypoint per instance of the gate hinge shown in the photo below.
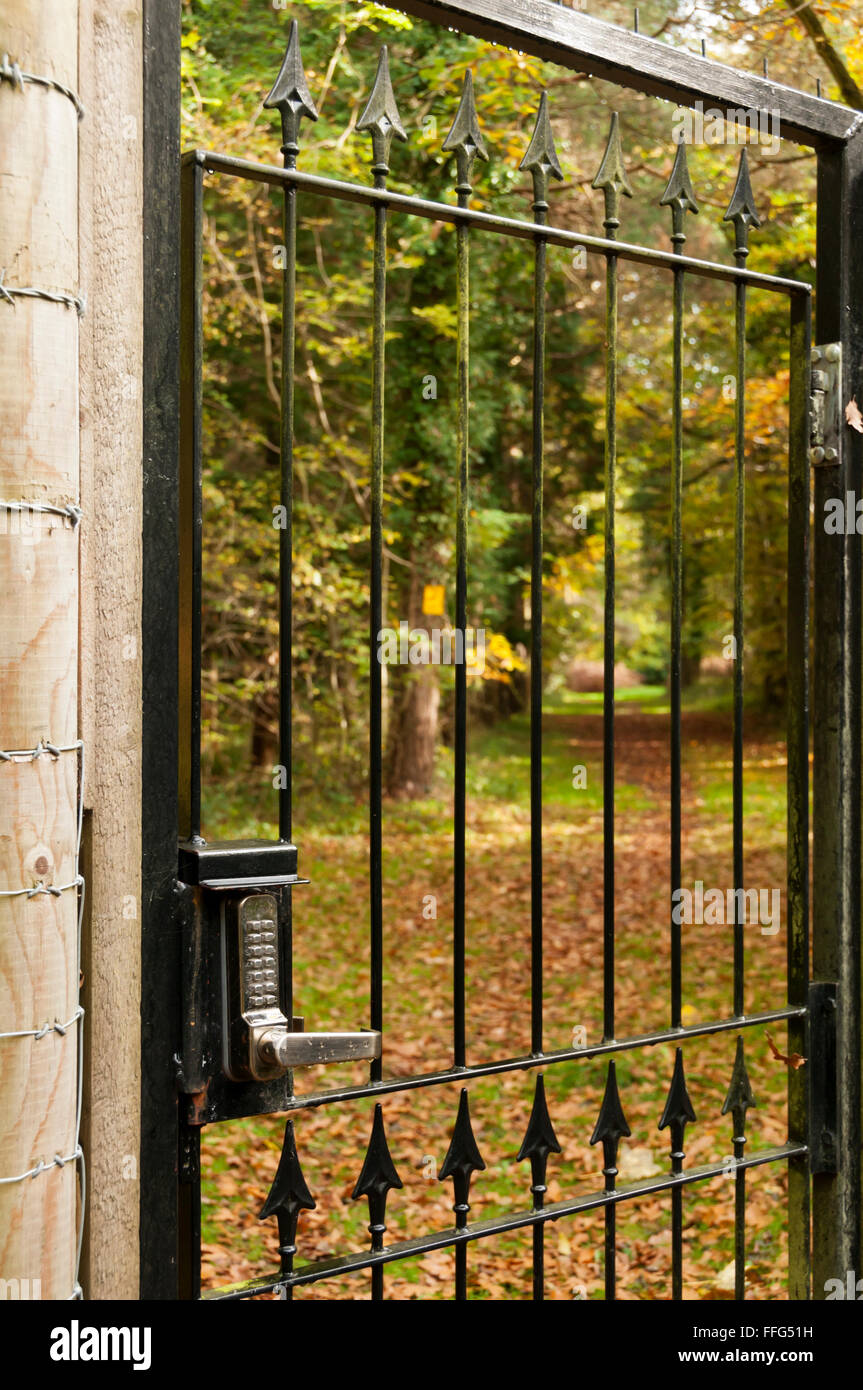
(821, 1065)
(825, 414)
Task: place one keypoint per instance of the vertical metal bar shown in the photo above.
(798, 781)
(610, 1128)
(538, 1256)
(536, 971)
(677, 1114)
(160, 956)
(676, 767)
(461, 1272)
(739, 1224)
(737, 1102)
(739, 538)
(676, 1235)
(191, 521)
(676, 641)
(836, 698)
(376, 623)
(381, 119)
(286, 451)
(189, 1163)
(459, 820)
(611, 320)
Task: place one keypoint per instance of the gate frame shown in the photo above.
(573, 40)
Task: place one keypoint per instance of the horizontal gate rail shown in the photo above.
(489, 222)
(575, 40)
(500, 1225)
(198, 1106)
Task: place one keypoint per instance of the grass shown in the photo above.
(331, 989)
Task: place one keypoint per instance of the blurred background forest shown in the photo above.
(232, 51)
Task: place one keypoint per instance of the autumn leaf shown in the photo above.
(795, 1061)
(853, 416)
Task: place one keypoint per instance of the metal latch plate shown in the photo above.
(825, 401)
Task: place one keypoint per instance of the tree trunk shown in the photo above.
(414, 694)
(833, 60)
(38, 652)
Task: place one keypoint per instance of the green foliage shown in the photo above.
(231, 54)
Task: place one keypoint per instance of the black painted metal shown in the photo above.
(381, 118)
(466, 142)
(740, 211)
(539, 1142)
(611, 1127)
(486, 221)
(797, 957)
(823, 1078)
(542, 162)
(377, 1179)
(836, 938)
(737, 1102)
(680, 198)
(288, 1196)
(160, 955)
(188, 913)
(678, 1113)
(463, 1159)
(316, 1270)
(611, 178)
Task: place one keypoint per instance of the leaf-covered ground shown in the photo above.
(331, 990)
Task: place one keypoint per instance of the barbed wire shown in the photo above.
(72, 301)
(68, 510)
(11, 72)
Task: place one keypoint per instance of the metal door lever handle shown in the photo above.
(279, 1047)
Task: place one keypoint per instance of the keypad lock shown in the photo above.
(259, 1040)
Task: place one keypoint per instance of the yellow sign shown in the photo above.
(433, 595)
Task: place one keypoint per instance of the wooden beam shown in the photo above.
(111, 255)
(575, 40)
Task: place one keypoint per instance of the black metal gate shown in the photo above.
(219, 1001)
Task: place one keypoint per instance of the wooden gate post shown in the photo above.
(836, 715)
(38, 647)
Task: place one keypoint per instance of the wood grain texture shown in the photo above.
(38, 648)
(111, 199)
(578, 41)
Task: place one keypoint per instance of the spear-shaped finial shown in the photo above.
(741, 210)
(539, 1141)
(288, 1196)
(463, 1159)
(739, 1098)
(381, 117)
(377, 1179)
(611, 178)
(611, 1127)
(679, 195)
(466, 139)
(290, 95)
(678, 1112)
(541, 159)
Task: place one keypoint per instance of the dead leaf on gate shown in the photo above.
(795, 1061)
(853, 416)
